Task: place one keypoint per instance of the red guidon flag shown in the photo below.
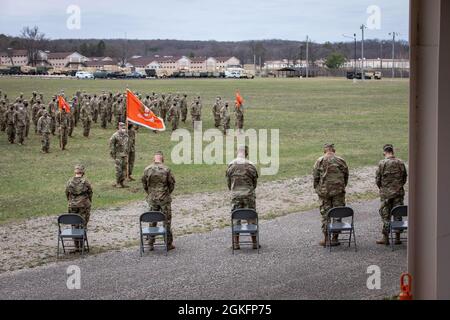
(239, 99)
(62, 104)
(139, 114)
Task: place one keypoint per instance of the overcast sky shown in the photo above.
(233, 20)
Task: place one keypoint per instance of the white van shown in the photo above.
(84, 75)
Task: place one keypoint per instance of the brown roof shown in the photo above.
(198, 59)
(100, 63)
(141, 61)
(58, 55)
(20, 52)
(222, 58)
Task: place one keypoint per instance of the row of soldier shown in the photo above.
(48, 119)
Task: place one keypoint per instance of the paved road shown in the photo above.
(290, 266)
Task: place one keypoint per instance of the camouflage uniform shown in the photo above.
(216, 112)
(94, 107)
(391, 176)
(63, 124)
(159, 182)
(174, 116)
(44, 129)
(225, 118)
(27, 108)
(34, 113)
(86, 118)
(79, 197)
(3, 109)
(162, 107)
(131, 150)
(103, 111)
(10, 125)
(119, 148)
(196, 112)
(109, 107)
(239, 113)
(330, 179)
(242, 178)
(184, 108)
(20, 121)
(52, 109)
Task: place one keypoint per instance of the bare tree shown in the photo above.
(33, 41)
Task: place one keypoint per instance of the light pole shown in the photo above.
(363, 27)
(381, 54)
(354, 38)
(307, 57)
(393, 34)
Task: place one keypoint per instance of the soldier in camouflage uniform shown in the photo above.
(131, 150)
(94, 107)
(174, 116)
(109, 107)
(63, 124)
(196, 113)
(216, 112)
(162, 107)
(44, 129)
(20, 121)
(225, 118)
(330, 180)
(3, 109)
(119, 148)
(119, 111)
(52, 109)
(242, 178)
(391, 176)
(103, 111)
(86, 118)
(79, 197)
(10, 126)
(183, 107)
(239, 114)
(159, 183)
(34, 113)
(27, 108)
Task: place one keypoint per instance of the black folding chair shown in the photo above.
(148, 232)
(77, 232)
(397, 224)
(244, 229)
(339, 227)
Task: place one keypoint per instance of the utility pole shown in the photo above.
(363, 27)
(381, 55)
(307, 56)
(354, 56)
(393, 34)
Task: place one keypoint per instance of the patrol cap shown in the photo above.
(388, 148)
(79, 168)
(159, 153)
(121, 125)
(328, 145)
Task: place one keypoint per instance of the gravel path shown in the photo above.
(115, 228)
(290, 266)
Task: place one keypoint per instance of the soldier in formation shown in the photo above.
(63, 125)
(391, 177)
(86, 118)
(79, 197)
(119, 148)
(225, 118)
(330, 175)
(242, 178)
(131, 150)
(45, 129)
(174, 115)
(216, 112)
(20, 122)
(196, 112)
(159, 183)
(239, 114)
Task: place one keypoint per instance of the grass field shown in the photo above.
(359, 118)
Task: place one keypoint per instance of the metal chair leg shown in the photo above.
(57, 249)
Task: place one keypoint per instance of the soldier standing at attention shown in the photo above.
(159, 183)
(330, 180)
(34, 113)
(183, 107)
(63, 124)
(27, 108)
(20, 121)
(216, 112)
(391, 176)
(131, 150)
(174, 115)
(119, 148)
(102, 106)
(94, 107)
(3, 109)
(52, 109)
(79, 197)
(10, 126)
(196, 113)
(86, 118)
(242, 178)
(225, 118)
(44, 129)
(109, 107)
(239, 113)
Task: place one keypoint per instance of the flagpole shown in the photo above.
(128, 152)
(59, 129)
